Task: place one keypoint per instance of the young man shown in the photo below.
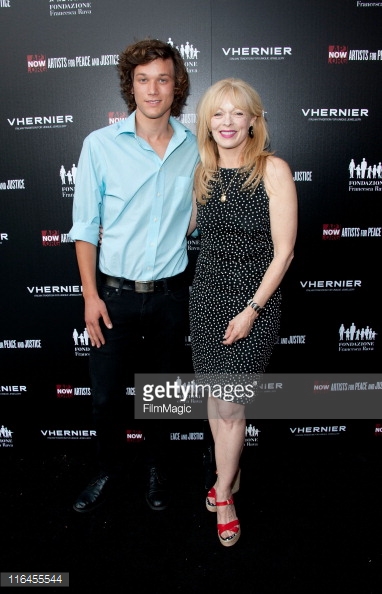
(135, 179)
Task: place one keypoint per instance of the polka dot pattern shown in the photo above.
(236, 249)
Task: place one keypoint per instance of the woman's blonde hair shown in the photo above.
(255, 150)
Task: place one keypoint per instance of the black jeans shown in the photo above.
(148, 336)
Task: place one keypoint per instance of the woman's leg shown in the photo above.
(227, 422)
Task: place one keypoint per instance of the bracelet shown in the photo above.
(255, 306)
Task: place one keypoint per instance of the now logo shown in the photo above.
(36, 63)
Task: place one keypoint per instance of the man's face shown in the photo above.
(153, 86)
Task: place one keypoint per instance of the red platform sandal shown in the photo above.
(233, 526)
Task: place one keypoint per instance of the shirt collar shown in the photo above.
(128, 126)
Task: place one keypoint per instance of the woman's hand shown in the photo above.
(240, 326)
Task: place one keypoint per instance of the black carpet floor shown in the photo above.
(311, 522)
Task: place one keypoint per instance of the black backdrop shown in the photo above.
(317, 67)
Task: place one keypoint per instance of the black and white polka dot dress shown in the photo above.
(236, 250)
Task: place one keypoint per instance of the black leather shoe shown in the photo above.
(94, 495)
(157, 495)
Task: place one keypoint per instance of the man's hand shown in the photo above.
(95, 309)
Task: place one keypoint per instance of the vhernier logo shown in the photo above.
(335, 114)
(257, 53)
(40, 122)
(322, 430)
(55, 290)
(330, 285)
(13, 390)
(68, 433)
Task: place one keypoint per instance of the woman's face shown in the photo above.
(229, 125)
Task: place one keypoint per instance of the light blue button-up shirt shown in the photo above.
(142, 201)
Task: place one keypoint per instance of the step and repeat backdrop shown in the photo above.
(317, 67)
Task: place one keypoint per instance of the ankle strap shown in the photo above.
(227, 502)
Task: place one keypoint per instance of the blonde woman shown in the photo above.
(245, 208)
